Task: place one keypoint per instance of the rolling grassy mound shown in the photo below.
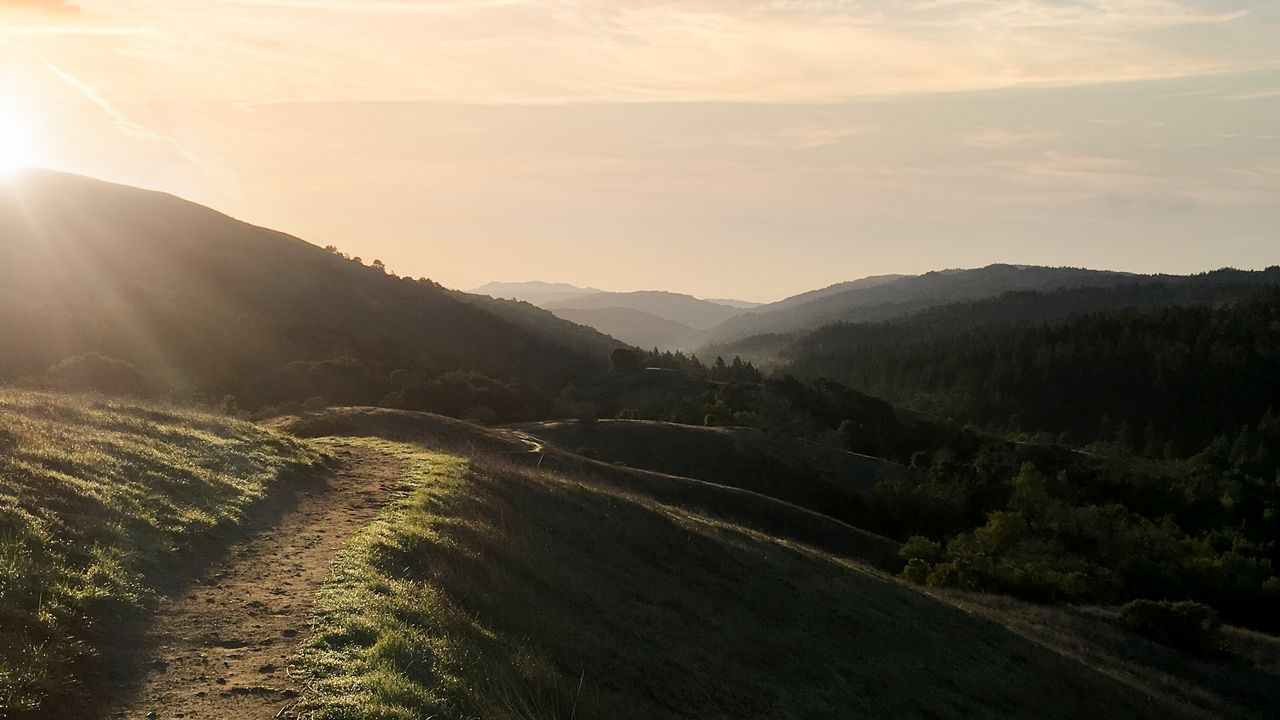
(739, 505)
(814, 476)
(499, 589)
(96, 499)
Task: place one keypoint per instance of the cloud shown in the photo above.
(588, 51)
(1257, 95)
(809, 135)
(993, 138)
(57, 7)
(121, 121)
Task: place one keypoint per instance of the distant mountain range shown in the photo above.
(763, 333)
(684, 309)
(536, 292)
(633, 326)
(887, 297)
(646, 318)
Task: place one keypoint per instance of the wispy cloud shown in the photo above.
(122, 122)
(60, 7)
(992, 138)
(1257, 95)
(791, 136)
(584, 51)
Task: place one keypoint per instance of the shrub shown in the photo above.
(480, 415)
(916, 571)
(922, 548)
(944, 575)
(1189, 626)
(314, 403)
(95, 371)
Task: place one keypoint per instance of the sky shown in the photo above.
(725, 148)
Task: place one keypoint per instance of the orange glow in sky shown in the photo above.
(726, 148)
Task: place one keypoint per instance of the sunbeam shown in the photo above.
(17, 138)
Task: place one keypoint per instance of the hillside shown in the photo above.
(740, 304)
(1014, 308)
(634, 327)
(201, 304)
(421, 565)
(894, 297)
(824, 479)
(536, 291)
(1179, 374)
(683, 309)
(500, 586)
(735, 502)
(99, 500)
(836, 289)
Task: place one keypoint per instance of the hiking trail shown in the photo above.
(219, 643)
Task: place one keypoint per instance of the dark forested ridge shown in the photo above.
(890, 297)
(1163, 381)
(133, 289)
(1178, 494)
(932, 317)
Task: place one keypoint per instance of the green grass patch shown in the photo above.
(96, 497)
(491, 589)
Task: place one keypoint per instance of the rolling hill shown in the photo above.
(683, 309)
(821, 478)
(125, 282)
(633, 327)
(740, 304)
(502, 578)
(889, 297)
(534, 584)
(1182, 362)
(1007, 310)
(536, 291)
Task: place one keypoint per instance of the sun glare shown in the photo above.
(17, 141)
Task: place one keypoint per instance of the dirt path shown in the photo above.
(220, 646)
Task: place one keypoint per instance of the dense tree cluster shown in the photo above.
(736, 370)
(1162, 383)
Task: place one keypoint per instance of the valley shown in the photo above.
(244, 476)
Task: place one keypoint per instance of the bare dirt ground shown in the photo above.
(219, 642)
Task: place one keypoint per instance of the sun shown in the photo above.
(17, 139)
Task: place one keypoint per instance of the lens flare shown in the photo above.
(17, 141)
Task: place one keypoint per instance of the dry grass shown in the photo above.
(495, 589)
(731, 502)
(1242, 682)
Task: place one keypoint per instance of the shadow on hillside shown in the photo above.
(554, 596)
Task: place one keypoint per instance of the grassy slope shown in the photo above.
(96, 497)
(1243, 684)
(745, 505)
(811, 475)
(496, 589)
